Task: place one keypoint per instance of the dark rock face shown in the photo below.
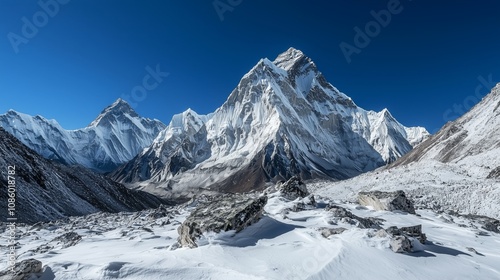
(224, 213)
(401, 244)
(307, 203)
(492, 225)
(494, 174)
(400, 237)
(342, 213)
(387, 201)
(415, 232)
(68, 239)
(27, 269)
(49, 191)
(487, 223)
(293, 188)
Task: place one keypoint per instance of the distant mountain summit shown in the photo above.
(113, 138)
(120, 110)
(283, 119)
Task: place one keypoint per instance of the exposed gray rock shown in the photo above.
(293, 188)
(67, 240)
(415, 232)
(401, 244)
(492, 225)
(63, 241)
(327, 232)
(162, 211)
(472, 250)
(487, 223)
(387, 201)
(400, 237)
(307, 203)
(494, 174)
(224, 213)
(27, 269)
(342, 213)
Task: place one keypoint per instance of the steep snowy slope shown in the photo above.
(116, 136)
(152, 161)
(47, 191)
(472, 139)
(453, 170)
(282, 119)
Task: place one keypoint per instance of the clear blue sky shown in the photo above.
(91, 52)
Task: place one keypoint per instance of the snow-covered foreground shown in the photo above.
(282, 245)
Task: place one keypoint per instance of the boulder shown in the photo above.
(400, 237)
(492, 225)
(415, 232)
(401, 244)
(494, 174)
(27, 269)
(293, 188)
(387, 201)
(224, 213)
(342, 213)
(308, 203)
(327, 232)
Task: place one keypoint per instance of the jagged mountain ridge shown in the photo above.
(283, 119)
(47, 191)
(113, 138)
(475, 134)
(454, 170)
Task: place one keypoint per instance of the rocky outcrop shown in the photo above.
(224, 213)
(345, 215)
(327, 232)
(494, 174)
(27, 269)
(387, 201)
(401, 244)
(486, 223)
(401, 238)
(66, 240)
(293, 188)
(308, 203)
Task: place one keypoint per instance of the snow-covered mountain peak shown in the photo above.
(292, 58)
(187, 119)
(116, 136)
(283, 118)
(118, 108)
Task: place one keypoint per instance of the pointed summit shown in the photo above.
(291, 59)
(119, 107)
